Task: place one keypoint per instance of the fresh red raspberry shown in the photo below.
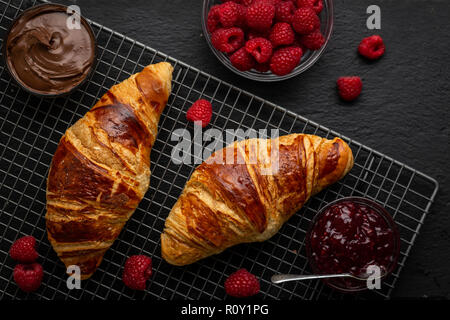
(242, 60)
(213, 21)
(229, 14)
(228, 40)
(372, 47)
(284, 11)
(316, 5)
(241, 284)
(201, 110)
(305, 21)
(260, 15)
(28, 276)
(284, 60)
(137, 271)
(313, 41)
(349, 87)
(282, 34)
(23, 250)
(260, 49)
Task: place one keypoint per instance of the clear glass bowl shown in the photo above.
(356, 286)
(308, 59)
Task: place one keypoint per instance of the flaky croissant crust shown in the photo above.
(101, 168)
(224, 204)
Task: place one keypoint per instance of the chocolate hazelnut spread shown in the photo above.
(45, 55)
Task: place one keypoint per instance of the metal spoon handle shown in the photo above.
(279, 278)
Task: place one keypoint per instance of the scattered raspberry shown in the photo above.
(372, 47)
(201, 110)
(23, 250)
(242, 284)
(137, 271)
(227, 40)
(242, 60)
(313, 41)
(284, 12)
(284, 60)
(260, 49)
(316, 5)
(349, 87)
(28, 276)
(305, 21)
(229, 14)
(282, 34)
(260, 15)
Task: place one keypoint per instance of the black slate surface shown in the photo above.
(402, 112)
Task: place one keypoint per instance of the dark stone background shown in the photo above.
(402, 112)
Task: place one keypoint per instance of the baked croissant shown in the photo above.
(245, 192)
(101, 168)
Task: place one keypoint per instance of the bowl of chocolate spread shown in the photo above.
(48, 51)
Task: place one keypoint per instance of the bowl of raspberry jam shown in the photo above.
(353, 235)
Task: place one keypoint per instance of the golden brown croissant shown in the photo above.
(224, 204)
(101, 168)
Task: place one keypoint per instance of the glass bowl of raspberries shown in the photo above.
(267, 40)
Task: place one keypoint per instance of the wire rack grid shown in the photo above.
(31, 127)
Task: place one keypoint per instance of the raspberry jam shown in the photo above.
(348, 236)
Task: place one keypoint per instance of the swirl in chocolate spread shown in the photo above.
(45, 55)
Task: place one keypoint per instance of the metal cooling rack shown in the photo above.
(31, 127)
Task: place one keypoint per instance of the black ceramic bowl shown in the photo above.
(10, 68)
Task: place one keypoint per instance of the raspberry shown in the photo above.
(227, 40)
(242, 60)
(23, 250)
(316, 5)
(313, 41)
(137, 271)
(372, 47)
(201, 110)
(284, 60)
(229, 14)
(28, 276)
(349, 87)
(305, 21)
(213, 21)
(284, 12)
(260, 15)
(260, 49)
(282, 34)
(242, 284)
